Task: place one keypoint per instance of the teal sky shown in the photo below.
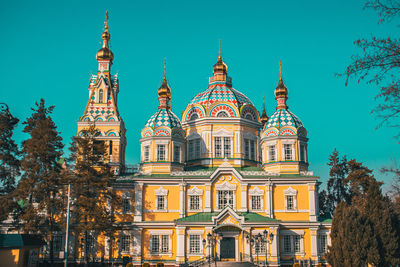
(49, 50)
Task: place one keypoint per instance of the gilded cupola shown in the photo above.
(281, 91)
(164, 92)
(105, 52)
(264, 116)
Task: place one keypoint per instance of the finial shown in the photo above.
(264, 101)
(106, 21)
(165, 68)
(280, 69)
(219, 52)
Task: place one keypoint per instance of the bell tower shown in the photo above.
(102, 110)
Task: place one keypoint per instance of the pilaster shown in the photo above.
(274, 259)
(269, 205)
(314, 245)
(138, 203)
(180, 244)
(207, 207)
(244, 207)
(182, 200)
(312, 201)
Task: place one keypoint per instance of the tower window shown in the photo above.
(101, 96)
(160, 152)
(177, 153)
(217, 147)
(194, 117)
(222, 147)
(250, 149)
(194, 149)
(146, 153)
(227, 146)
(110, 149)
(222, 114)
(302, 152)
(288, 151)
(271, 153)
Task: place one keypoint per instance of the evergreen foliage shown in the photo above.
(336, 190)
(367, 231)
(9, 161)
(91, 189)
(40, 184)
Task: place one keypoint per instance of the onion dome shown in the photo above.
(163, 117)
(105, 52)
(164, 92)
(282, 116)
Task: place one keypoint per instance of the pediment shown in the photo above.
(195, 191)
(161, 191)
(222, 132)
(290, 191)
(225, 186)
(228, 216)
(256, 192)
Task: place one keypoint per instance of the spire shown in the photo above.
(220, 66)
(264, 116)
(164, 92)
(281, 91)
(105, 52)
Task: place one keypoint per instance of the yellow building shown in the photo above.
(221, 182)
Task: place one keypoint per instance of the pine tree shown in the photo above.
(336, 189)
(368, 229)
(9, 161)
(91, 188)
(40, 185)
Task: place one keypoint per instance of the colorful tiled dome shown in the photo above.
(220, 92)
(283, 117)
(163, 117)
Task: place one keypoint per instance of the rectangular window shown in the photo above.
(177, 153)
(288, 151)
(155, 243)
(246, 148)
(287, 245)
(322, 243)
(126, 205)
(296, 241)
(227, 147)
(160, 202)
(197, 148)
(194, 203)
(225, 198)
(271, 153)
(125, 243)
(260, 248)
(252, 150)
(302, 152)
(91, 244)
(194, 244)
(160, 152)
(194, 149)
(290, 203)
(164, 244)
(256, 202)
(146, 153)
(217, 147)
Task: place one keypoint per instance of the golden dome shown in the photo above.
(281, 91)
(105, 52)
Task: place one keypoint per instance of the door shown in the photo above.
(227, 248)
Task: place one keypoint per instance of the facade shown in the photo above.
(222, 181)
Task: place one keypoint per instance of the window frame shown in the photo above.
(161, 153)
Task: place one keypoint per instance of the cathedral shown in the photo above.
(222, 182)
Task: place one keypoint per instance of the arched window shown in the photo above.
(194, 116)
(222, 114)
(101, 97)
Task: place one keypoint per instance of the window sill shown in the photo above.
(194, 210)
(161, 211)
(161, 254)
(195, 254)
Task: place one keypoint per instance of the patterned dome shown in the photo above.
(163, 117)
(220, 92)
(283, 117)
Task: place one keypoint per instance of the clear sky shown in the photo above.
(49, 50)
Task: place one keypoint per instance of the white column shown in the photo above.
(138, 202)
(314, 245)
(208, 198)
(312, 201)
(137, 246)
(275, 245)
(182, 197)
(244, 198)
(268, 207)
(246, 244)
(180, 244)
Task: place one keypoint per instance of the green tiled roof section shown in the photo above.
(325, 220)
(20, 240)
(206, 217)
(249, 168)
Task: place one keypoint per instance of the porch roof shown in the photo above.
(207, 217)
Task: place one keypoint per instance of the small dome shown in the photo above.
(283, 117)
(220, 92)
(105, 53)
(163, 117)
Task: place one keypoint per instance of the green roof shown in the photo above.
(20, 241)
(207, 216)
(325, 219)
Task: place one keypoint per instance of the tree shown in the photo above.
(336, 189)
(367, 230)
(379, 64)
(9, 161)
(40, 184)
(91, 182)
